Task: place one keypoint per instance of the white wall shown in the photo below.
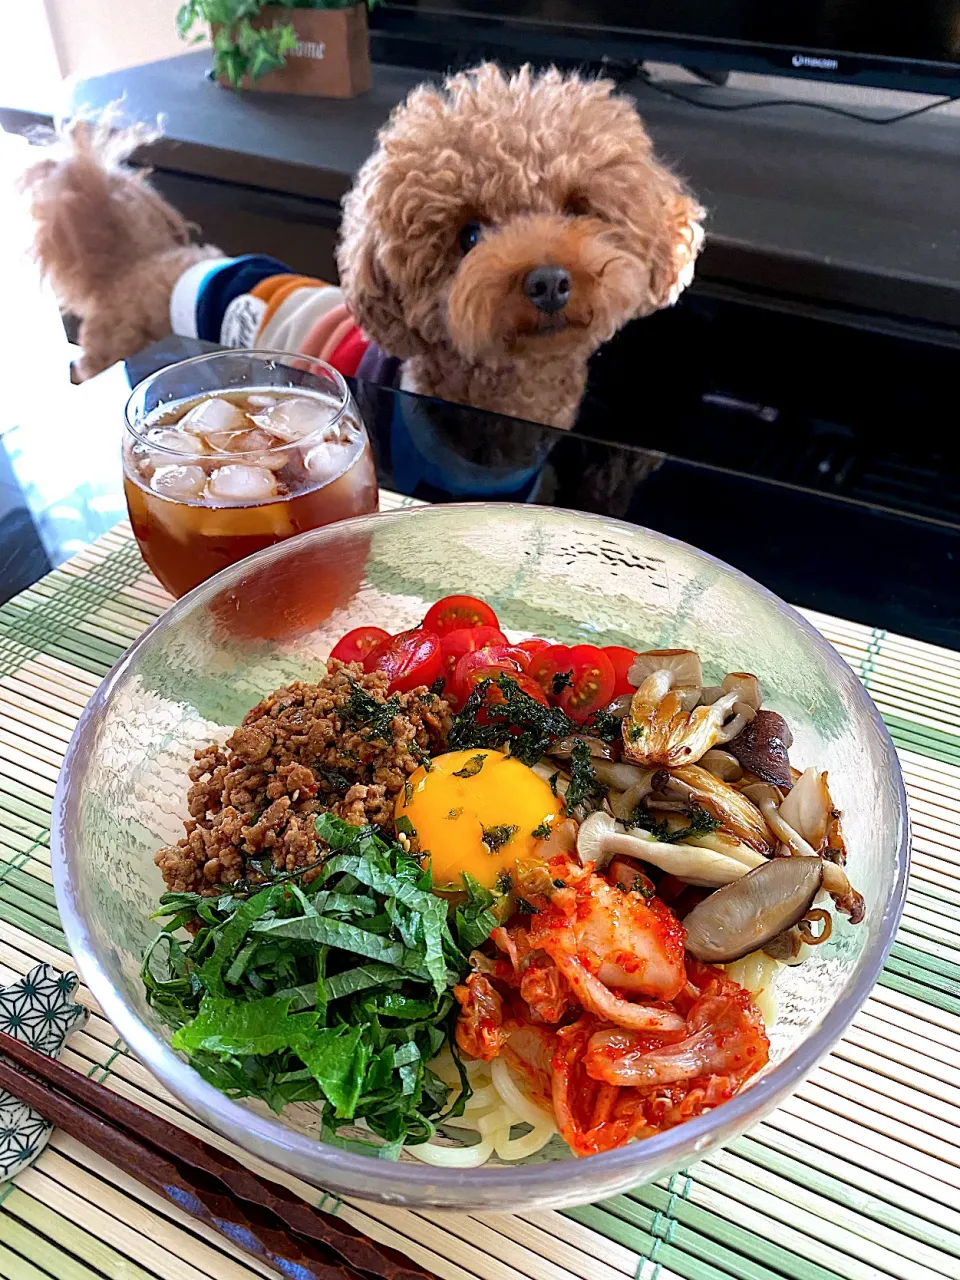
(95, 36)
(30, 82)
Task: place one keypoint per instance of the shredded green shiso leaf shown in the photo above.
(338, 991)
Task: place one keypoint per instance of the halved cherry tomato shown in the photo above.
(629, 874)
(356, 644)
(546, 665)
(532, 647)
(622, 660)
(410, 659)
(529, 687)
(495, 695)
(593, 682)
(455, 644)
(453, 613)
(492, 659)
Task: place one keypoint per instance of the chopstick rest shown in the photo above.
(38, 1010)
(263, 1217)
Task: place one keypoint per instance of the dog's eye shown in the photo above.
(576, 207)
(471, 234)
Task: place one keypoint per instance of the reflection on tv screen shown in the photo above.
(924, 30)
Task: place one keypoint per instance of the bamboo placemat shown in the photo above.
(856, 1176)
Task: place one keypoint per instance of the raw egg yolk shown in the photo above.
(475, 811)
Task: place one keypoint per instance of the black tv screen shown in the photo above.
(894, 43)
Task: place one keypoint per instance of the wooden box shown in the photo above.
(331, 58)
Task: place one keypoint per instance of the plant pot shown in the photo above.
(331, 58)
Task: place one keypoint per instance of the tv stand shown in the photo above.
(709, 75)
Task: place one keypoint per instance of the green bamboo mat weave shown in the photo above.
(856, 1177)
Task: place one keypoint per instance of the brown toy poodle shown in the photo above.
(504, 228)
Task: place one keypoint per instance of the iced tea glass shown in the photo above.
(230, 452)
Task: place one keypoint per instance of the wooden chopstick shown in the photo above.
(264, 1217)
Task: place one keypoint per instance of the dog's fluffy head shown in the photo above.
(557, 171)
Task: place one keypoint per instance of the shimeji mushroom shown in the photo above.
(661, 731)
(810, 810)
(683, 664)
(694, 787)
(621, 777)
(600, 839)
(748, 914)
(673, 719)
(762, 746)
(722, 764)
(835, 880)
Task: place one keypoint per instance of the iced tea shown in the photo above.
(213, 477)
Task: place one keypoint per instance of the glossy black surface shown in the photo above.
(858, 560)
(843, 39)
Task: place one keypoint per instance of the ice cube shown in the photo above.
(261, 449)
(213, 415)
(172, 438)
(325, 461)
(182, 484)
(295, 417)
(237, 483)
(257, 401)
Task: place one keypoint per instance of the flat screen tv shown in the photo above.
(904, 44)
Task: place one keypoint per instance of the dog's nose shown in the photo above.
(548, 288)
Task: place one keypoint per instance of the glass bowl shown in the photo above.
(570, 577)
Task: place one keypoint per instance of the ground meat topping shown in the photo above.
(304, 749)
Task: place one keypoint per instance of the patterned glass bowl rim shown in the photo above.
(554, 1184)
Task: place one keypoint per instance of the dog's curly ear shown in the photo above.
(675, 252)
(369, 293)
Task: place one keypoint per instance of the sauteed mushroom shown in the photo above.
(749, 913)
(762, 746)
(683, 664)
(692, 786)
(835, 880)
(810, 810)
(600, 839)
(660, 730)
(768, 800)
(722, 764)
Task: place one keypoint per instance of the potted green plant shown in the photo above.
(317, 47)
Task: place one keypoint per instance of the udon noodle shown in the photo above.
(496, 1108)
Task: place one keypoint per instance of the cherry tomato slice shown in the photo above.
(455, 644)
(409, 660)
(356, 644)
(532, 647)
(622, 660)
(593, 682)
(531, 688)
(548, 667)
(629, 874)
(453, 613)
(493, 659)
(495, 695)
